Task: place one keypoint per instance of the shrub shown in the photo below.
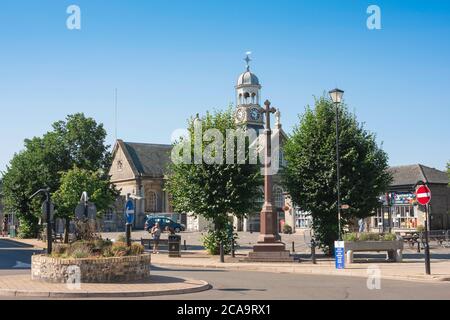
(100, 245)
(137, 249)
(211, 241)
(120, 249)
(81, 252)
(60, 250)
(287, 229)
(389, 237)
(350, 236)
(369, 237)
(121, 238)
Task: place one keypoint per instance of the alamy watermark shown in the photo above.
(74, 278)
(237, 146)
(73, 22)
(374, 278)
(374, 19)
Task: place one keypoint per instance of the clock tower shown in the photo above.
(248, 95)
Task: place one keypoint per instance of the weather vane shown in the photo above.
(247, 59)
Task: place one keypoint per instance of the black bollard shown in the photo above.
(185, 246)
(233, 254)
(313, 252)
(293, 246)
(222, 255)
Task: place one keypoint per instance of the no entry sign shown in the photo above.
(423, 195)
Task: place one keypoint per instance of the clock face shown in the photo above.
(254, 114)
(240, 115)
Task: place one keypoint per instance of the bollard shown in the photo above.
(293, 246)
(313, 252)
(222, 256)
(418, 246)
(233, 254)
(185, 246)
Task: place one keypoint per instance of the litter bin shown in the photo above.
(174, 246)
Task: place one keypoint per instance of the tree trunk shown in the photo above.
(66, 231)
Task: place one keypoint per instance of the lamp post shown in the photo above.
(336, 96)
(48, 214)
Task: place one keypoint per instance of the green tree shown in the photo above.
(448, 171)
(214, 191)
(310, 174)
(78, 141)
(22, 179)
(74, 182)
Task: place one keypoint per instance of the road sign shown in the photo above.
(44, 211)
(129, 211)
(423, 195)
(339, 252)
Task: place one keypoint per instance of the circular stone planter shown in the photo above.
(90, 270)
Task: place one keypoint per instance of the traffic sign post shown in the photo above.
(339, 252)
(423, 196)
(129, 216)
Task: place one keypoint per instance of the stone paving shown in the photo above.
(23, 286)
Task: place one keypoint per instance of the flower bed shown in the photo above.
(90, 270)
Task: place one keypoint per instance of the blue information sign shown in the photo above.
(339, 252)
(129, 212)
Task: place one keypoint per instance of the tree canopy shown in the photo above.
(310, 174)
(74, 182)
(213, 190)
(76, 142)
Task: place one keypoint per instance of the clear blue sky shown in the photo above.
(173, 59)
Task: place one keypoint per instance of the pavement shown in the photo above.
(407, 271)
(23, 286)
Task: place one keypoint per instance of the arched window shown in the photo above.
(278, 197)
(253, 98)
(151, 201)
(246, 96)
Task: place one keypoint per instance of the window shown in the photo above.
(119, 165)
(278, 197)
(108, 215)
(150, 201)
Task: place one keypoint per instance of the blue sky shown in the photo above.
(173, 59)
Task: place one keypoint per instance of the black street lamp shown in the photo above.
(336, 96)
(48, 216)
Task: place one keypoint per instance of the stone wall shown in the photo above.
(102, 270)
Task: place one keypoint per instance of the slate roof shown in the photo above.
(149, 159)
(410, 175)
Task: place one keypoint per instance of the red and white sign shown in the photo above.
(423, 195)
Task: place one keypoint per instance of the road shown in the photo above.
(242, 285)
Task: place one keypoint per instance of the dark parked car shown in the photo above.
(164, 222)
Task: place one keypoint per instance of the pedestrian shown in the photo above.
(156, 234)
(5, 227)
